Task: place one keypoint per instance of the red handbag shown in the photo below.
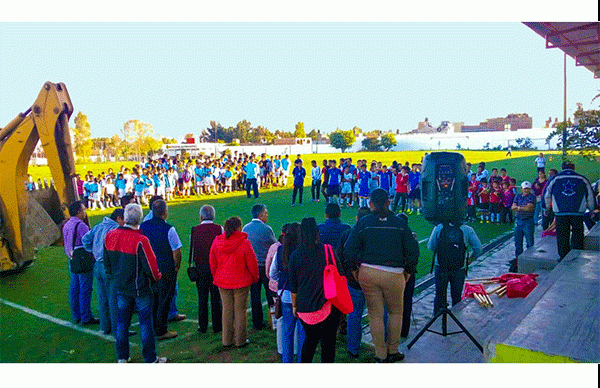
(336, 285)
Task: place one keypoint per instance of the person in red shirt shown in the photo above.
(505, 178)
(495, 202)
(484, 200)
(472, 198)
(508, 196)
(234, 269)
(401, 188)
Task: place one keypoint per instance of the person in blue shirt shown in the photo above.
(250, 169)
(364, 177)
(333, 184)
(384, 178)
(299, 173)
(121, 185)
(414, 195)
(199, 177)
(285, 166)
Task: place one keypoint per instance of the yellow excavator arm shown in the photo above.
(32, 219)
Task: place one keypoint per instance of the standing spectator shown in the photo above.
(456, 277)
(299, 173)
(202, 237)
(409, 290)
(261, 237)
(325, 180)
(80, 290)
(167, 248)
(332, 229)
(93, 241)
(538, 189)
(315, 187)
(319, 317)
(570, 194)
(130, 260)
(384, 247)
(250, 170)
(354, 319)
(540, 162)
(401, 189)
(234, 269)
(523, 206)
(482, 173)
(279, 271)
(285, 170)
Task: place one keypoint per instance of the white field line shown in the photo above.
(58, 321)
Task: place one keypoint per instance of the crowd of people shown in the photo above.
(171, 177)
(137, 258)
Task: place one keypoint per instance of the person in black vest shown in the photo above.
(386, 252)
(456, 277)
(202, 237)
(167, 247)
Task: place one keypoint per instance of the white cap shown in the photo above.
(526, 185)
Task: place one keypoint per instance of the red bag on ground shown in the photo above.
(336, 285)
(520, 287)
(471, 289)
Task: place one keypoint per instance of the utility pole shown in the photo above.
(564, 135)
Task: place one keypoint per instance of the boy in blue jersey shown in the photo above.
(414, 195)
(199, 178)
(333, 184)
(299, 173)
(364, 177)
(285, 170)
(384, 178)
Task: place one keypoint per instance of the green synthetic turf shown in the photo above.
(44, 286)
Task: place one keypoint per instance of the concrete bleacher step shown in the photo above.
(564, 324)
(591, 241)
(542, 255)
(559, 318)
(487, 325)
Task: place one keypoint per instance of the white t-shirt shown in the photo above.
(541, 162)
(110, 188)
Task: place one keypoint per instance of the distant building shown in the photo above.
(512, 122)
(293, 141)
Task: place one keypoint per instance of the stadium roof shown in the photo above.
(581, 41)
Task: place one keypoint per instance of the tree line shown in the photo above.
(138, 139)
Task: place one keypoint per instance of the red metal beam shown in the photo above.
(583, 27)
(587, 42)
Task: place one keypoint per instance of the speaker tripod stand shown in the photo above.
(444, 312)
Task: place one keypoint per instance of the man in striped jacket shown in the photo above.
(130, 260)
(569, 194)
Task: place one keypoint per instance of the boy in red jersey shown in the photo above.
(484, 201)
(495, 202)
(472, 198)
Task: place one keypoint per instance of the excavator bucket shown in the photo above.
(32, 219)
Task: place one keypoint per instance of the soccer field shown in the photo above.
(34, 312)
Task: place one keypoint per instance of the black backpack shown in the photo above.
(451, 248)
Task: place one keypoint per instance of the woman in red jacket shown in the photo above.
(234, 269)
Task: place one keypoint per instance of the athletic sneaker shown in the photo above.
(161, 360)
(123, 361)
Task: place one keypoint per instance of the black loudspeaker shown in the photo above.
(444, 187)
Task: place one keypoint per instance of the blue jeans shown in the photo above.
(523, 228)
(173, 309)
(354, 321)
(289, 326)
(457, 281)
(107, 298)
(80, 295)
(126, 305)
(537, 212)
(251, 183)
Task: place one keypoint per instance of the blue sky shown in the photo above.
(179, 76)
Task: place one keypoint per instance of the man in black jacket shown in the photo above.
(384, 247)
